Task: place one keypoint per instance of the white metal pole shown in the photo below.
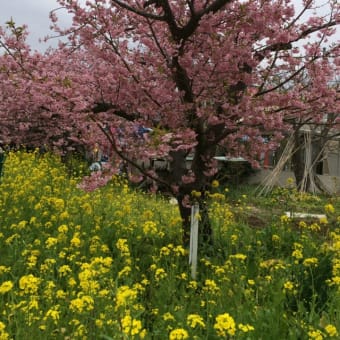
(194, 239)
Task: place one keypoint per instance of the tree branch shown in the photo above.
(186, 31)
(104, 107)
(137, 11)
(182, 80)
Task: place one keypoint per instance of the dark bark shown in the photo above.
(185, 212)
(204, 228)
(298, 161)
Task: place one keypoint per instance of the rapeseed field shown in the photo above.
(109, 264)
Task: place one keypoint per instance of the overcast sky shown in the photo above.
(35, 13)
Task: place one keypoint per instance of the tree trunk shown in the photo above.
(298, 160)
(185, 212)
(205, 228)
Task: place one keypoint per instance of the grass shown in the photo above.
(109, 264)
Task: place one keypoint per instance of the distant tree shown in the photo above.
(203, 74)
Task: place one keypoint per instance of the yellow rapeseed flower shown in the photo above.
(315, 227)
(179, 251)
(53, 314)
(196, 194)
(311, 261)
(233, 239)
(225, 325)
(178, 334)
(329, 209)
(125, 271)
(150, 228)
(58, 203)
(238, 256)
(168, 317)
(60, 294)
(215, 183)
(284, 219)
(276, 238)
(194, 320)
(315, 334)
(51, 242)
(82, 303)
(323, 220)
(288, 285)
(32, 261)
(302, 224)
(3, 334)
(245, 328)
(63, 229)
(72, 282)
(64, 270)
(123, 247)
(331, 330)
(125, 296)
(193, 285)
(211, 286)
(87, 208)
(6, 287)
(21, 225)
(64, 215)
(165, 251)
(89, 286)
(131, 326)
(160, 274)
(297, 253)
(75, 241)
(99, 323)
(29, 284)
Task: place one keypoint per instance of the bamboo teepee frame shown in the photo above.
(269, 181)
(308, 176)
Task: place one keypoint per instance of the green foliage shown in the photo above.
(108, 264)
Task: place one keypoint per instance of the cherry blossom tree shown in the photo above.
(30, 93)
(208, 76)
(37, 104)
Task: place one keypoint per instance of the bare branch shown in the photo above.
(214, 7)
(105, 107)
(137, 11)
(285, 81)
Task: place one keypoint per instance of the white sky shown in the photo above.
(35, 13)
